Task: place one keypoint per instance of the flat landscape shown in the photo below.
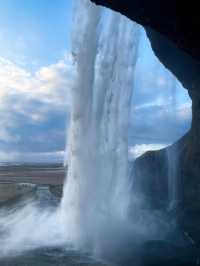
(39, 174)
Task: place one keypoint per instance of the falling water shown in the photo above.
(173, 176)
(97, 186)
(173, 151)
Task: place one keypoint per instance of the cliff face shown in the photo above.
(173, 28)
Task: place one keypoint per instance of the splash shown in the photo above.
(27, 225)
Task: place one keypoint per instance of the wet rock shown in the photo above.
(56, 190)
(155, 171)
(157, 253)
(151, 183)
(150, 179)
(188, 221)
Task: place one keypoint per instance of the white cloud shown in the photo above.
(49, 84)
(32, 95)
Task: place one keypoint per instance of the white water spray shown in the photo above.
(173, 177)
(172, 153)
(97, 187)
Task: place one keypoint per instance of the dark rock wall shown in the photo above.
(147, 184)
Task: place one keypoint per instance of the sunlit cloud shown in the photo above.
(49, 83)
(33, 98)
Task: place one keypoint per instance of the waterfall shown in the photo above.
(173, 152)
(173, 176)
(96, 191)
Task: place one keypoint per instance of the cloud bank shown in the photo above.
(34, 106)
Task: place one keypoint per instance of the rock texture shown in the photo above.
(152, 172)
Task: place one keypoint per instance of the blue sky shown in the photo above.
(36, 32)
(36, 73)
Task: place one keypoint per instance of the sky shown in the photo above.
(36, 73)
